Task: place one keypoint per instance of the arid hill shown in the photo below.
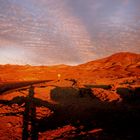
(96, 100)
(106, 70)
(112, 68)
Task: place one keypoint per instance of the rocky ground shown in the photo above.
(97, 100)
(62, 113)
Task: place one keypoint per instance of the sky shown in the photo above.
(51, 32)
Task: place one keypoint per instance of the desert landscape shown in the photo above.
(97, 100)
(69, 69)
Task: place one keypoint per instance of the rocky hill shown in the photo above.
(115, 67)
(92, 110)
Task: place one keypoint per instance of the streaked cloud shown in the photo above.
(66, 31)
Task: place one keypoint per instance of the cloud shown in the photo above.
(67, 31)
(54, 34)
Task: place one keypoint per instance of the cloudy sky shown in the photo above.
(49, 32)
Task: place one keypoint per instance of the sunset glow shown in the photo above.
(44, 32)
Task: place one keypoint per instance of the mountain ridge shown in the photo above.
(117, 57)
(116, 66)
